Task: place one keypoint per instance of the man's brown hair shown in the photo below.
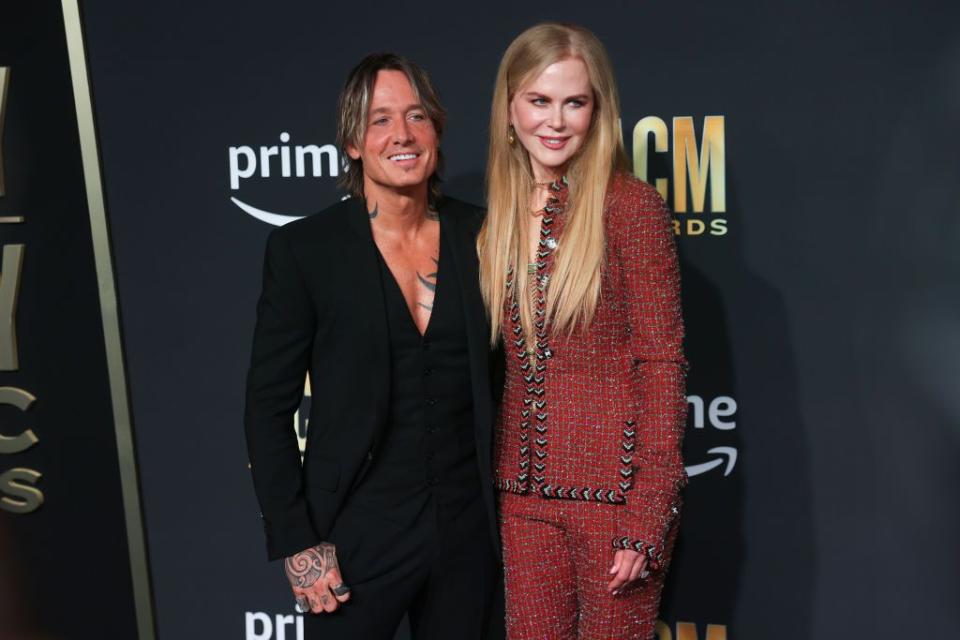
(354, 104)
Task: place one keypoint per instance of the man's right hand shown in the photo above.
(315, 579)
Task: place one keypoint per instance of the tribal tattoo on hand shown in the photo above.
(305, 568)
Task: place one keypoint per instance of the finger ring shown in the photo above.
(644, 574)
(300, 607)
(341, 590)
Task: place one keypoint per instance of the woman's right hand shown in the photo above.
(628, 565)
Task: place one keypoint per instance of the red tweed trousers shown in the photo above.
(557, 557)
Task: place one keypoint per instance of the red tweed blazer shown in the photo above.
(599, 417)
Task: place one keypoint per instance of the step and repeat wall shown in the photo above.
(808, 152)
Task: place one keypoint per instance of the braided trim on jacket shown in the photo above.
(654, 553)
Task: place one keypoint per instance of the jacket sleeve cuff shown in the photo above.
(648, 538)
(654, 553)
(289, 532)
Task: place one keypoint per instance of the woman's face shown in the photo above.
(551, 115)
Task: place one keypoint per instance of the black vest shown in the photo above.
(428, 448)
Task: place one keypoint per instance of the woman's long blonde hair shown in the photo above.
(503, 242)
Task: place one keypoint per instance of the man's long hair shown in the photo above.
(354, 105)
(503, 243)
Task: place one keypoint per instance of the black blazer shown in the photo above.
(322, 311)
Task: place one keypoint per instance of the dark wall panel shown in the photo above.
(64, 563)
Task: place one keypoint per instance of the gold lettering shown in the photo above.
(4, 82)
(9, 286)
(710, 162)
(718, 227)
(21, 496)
(663, 631)
(716, 632)
(301, 423)
(688, 631)
(695, 227)
(641, 136)
(21, 400)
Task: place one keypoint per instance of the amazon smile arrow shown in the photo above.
(731, 456)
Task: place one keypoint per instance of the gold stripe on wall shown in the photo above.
(111, 323)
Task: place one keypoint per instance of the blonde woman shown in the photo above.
(579, 275)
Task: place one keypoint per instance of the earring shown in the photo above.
(510, 137)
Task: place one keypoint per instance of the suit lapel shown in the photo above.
(363, 273)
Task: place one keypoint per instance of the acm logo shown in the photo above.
(693, 168)
(18, 491)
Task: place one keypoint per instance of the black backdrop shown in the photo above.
(821, 299)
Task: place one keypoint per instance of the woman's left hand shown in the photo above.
(627, 566)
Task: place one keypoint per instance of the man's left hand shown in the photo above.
(314, 576)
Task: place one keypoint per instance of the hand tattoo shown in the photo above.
(305, 568)
(303, 604)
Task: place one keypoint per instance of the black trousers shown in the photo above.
(438, 567)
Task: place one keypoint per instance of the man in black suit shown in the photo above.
(377, 298)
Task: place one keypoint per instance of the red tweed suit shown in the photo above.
(588, 437)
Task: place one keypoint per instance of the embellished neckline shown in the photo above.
(555, 198)
(560, 184)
